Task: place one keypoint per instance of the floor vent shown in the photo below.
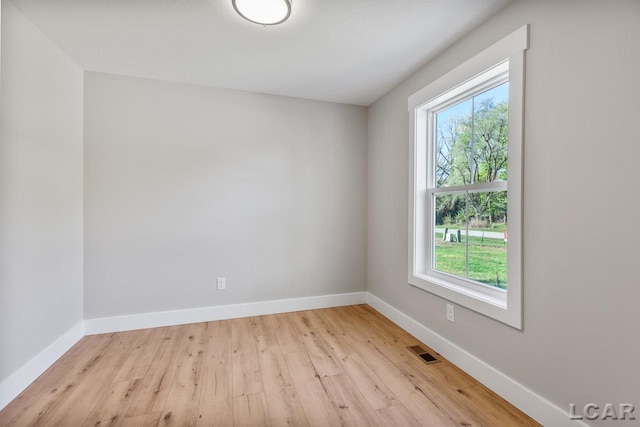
(421, 353)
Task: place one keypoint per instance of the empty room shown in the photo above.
(319, 213)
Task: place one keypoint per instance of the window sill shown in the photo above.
(493, 306)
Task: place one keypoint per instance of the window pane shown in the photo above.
(471, 139)
(482, 216)
(490, 128)
(487, 238)
(450, 254)
(453, 135)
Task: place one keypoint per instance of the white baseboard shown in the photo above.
(534, 405)
(19, 380)
(207, 314)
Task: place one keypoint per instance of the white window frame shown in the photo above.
(503, 61)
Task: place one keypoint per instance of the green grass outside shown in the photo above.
(477, 241)
(487, 259)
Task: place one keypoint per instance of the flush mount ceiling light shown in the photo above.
(263, 12)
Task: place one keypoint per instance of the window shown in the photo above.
(466, 174)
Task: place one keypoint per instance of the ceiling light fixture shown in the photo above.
(263, 12)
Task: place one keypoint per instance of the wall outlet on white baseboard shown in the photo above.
(222, 283)
(451, 313)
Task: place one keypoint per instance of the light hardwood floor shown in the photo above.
(341, 366)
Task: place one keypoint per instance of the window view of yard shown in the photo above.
(487, 258)
(470, 239)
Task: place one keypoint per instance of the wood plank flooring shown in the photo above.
(345, 366)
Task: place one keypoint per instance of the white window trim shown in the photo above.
(500, 305)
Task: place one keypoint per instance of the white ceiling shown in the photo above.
(350, 51)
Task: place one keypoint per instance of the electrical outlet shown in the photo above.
(222, 283)
(451, 313)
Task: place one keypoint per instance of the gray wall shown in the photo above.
(581, 318)
(184, 184)
(40, 192)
